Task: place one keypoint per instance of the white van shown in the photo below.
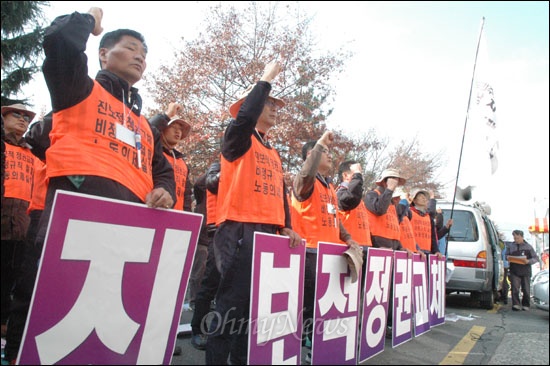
(473, 253)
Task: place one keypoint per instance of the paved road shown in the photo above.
(496, 337)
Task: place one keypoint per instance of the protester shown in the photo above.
(521, 256)
(211, 278)
(19, 169)
(351, 208)
(173, 130)
(241, 212)
(423, 222)
(315, 217)
(382, 216)
(85, 156)
(383, 221)
(404, 215)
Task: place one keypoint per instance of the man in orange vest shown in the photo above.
(351, 207)
(173, 130)
(206, 292)
(247, 163)
(315, 216)
(19, 167)
(101, 144)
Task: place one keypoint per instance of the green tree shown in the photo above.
(22, 33)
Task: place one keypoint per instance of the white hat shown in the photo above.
(416, 191)
(391, 173)
(354, 257)
(186, 126)
(21, 108)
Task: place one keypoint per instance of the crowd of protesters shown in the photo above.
(67, 150)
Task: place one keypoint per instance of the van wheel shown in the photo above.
(487, 299)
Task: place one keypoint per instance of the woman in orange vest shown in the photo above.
(423, 222)
(19, 177)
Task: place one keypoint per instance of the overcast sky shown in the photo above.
(410, 76)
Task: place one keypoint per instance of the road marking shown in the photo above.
(463, 348)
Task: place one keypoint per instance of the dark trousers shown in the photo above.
(521, 283)
(206, 293)
(12, 257)
(228, 334)
(23, 288)
(309, 293)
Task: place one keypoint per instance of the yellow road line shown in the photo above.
(463, 348)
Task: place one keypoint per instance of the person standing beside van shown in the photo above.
(521, 256)
(423, 223)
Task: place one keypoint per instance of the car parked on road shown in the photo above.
(474, 258)
(539, 289)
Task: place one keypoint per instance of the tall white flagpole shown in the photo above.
(467, 192)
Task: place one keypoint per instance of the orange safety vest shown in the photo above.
(180, 175)
(39, 187)
(315, 219)
(19, 173)
(210, 208)
(407, 236)
(356, 221)
(84, 141)
(422, 230)
(386, 225)
(251, 188)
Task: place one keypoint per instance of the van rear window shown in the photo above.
(464, 227)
